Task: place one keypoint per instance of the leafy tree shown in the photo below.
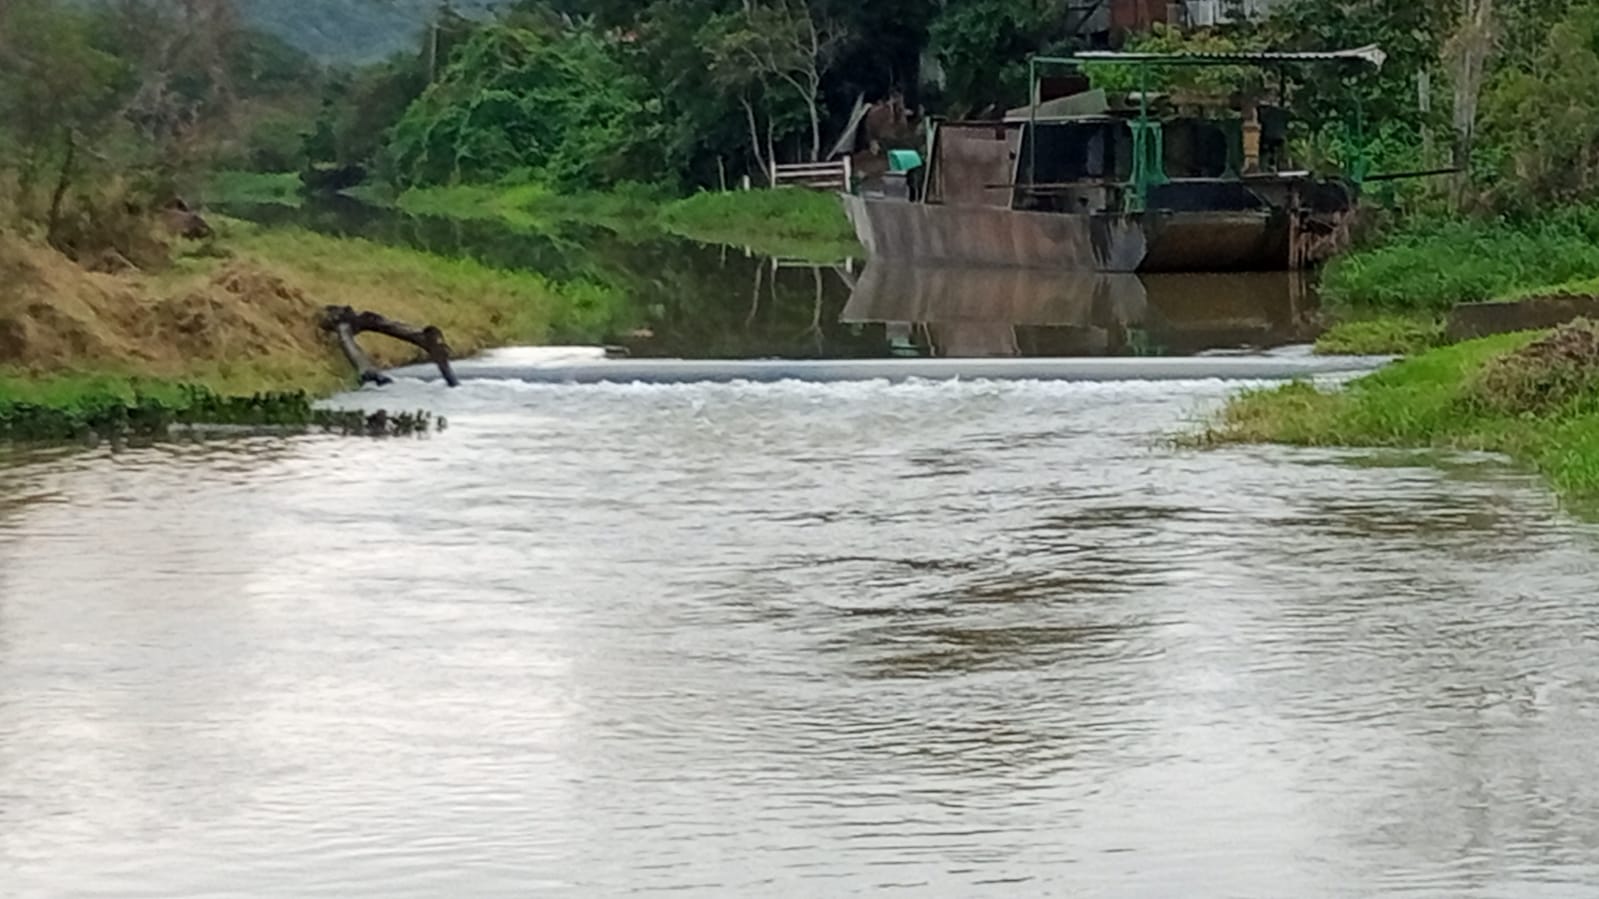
(736, 75)
(59, 92)
(364, 105)
(1543, 118)
(783, 43)
(703, 108)
(1411, 32)
(1220, 80)
(558, 105)
(982, 47)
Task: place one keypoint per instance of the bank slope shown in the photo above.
(1532, 397)
(239, 316)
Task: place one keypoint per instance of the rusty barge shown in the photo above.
(1145, 182)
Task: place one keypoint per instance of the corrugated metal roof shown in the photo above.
(1371, 55)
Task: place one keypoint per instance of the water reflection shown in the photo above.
(690, 300)
(946, 311)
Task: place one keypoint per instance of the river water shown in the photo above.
(967, 639)
(684, 299)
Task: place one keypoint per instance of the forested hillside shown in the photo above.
(353, 30)
(349, 31)
(677, 94)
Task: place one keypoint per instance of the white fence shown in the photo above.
(820, 175)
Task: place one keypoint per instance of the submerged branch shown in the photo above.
(345, 323)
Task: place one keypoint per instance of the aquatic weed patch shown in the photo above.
(68, 409)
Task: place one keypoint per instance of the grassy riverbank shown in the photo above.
(790, 222)
(805, 224)
(237, 318)
(1382, 334)
(627, 210)
(1431, 264)
(1534, 398)
(1391, 295)
(232, 187)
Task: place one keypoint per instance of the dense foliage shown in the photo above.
(106, 111)
(684, 93)
(561, 107)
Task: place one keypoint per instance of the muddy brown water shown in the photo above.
(965, 639)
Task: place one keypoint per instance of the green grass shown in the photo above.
(1391, 297)
(1576, 287)
(532, 206)
(1429, 265)
(1386, 334)
(230, 337)
(1434, 400)
(477, 305)
(276, 188)
(791, 222)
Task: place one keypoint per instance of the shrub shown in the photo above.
(1553, 372)
(275, 144)
(560, 105)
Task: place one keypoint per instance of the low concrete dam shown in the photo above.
(593, 368)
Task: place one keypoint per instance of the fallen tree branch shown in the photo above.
(345, 323)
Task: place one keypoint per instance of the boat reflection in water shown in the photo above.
(975, 312)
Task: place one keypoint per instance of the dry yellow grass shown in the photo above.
(245, 319)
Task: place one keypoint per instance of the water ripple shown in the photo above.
(950, 639)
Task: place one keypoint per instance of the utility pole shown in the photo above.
(433, 40)
(433, 49)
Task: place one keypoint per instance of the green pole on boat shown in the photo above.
(1149, 147)
(1141, 141)
(1032, 122)
(1362, 165)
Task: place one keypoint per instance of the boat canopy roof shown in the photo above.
(1370, 54)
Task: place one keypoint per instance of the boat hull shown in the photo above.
(1155, 241)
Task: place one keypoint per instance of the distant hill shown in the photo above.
(350, 30)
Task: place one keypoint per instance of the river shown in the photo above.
(685, 299)
(963, 639)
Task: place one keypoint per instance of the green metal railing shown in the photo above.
(1149, 155)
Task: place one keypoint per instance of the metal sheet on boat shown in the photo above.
(1216, 241)
(981, 235)
(969, 159)
(1132, 242)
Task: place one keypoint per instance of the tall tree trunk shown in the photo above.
(808, 91)
(63, 182)
(814, 82)
(1471, 46)
(771, 155)
(816, 128)
(755, 137)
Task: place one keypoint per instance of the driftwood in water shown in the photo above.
(345, 323)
